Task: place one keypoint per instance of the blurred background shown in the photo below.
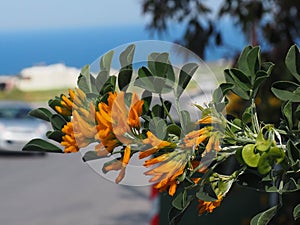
(43, 45)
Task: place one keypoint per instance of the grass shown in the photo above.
(30, 96)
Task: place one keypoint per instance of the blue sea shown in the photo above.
(79, 46)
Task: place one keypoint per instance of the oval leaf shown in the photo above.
(41, 113)
(41, 145)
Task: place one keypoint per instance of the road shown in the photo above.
(63, 190)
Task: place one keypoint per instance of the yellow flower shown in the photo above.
(205, 207)
(155, 142)
(171, 165)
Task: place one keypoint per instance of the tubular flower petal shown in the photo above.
(213, 143)
(119, 164)
(68, 140)
(155, 142)
(135, 112)
(205, 207)
(115, 121)
(63, 111)
(194, 138)
(125, 160)
(171, 165)
(208, 120)
(80, 132)
(112, 165)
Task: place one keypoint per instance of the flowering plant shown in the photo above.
(118, 117)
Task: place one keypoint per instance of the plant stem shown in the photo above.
(166, 110)
(254, 118)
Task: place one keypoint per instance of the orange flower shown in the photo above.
(204, 207)
(135, 112)
(119, 165)
(68, 140)
(171, 165)
(155, 142)
(194, 138)
(213, 143)
(115, 121)
(81, 131)
(208, 120)
(74, 101)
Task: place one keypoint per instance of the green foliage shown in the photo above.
(40, 145)
(268, 156)
(265, 217)
(41, 113)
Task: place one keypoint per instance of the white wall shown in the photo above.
(55, 76)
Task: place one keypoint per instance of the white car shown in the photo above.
(17, 127)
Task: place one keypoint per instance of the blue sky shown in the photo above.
(53, 14)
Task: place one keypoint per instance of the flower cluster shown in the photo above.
(183, 157)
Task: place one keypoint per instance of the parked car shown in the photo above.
(17, 127)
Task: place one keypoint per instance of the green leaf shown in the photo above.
(57, 121)
(296, 212)
(186, 123)
(246, 117)
(105, 61)
(174, 129)
(242, 62)
(41, 113)
(287, 112)
(205, 196)
(54, 102)
(179, 201)
(84, 80)
(261, 77)
(125, 74)
(286, 91)
(250, 157)
(124, 79)
(126, 57)
(41, 145)
(55, 135)
(267, 67)
(236, 88)
(297, 113)
(103, 75)
(185, 75)
(293, 154)
(221, 91)
(292, 61)
(253, 60)
(161, 65)
(153, 84)
(158, 127)
(101, 79)
(176, 215)
(240, 79)
(265, 217)
(91, 155)
(147, 97)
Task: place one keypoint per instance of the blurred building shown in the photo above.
(46, 77)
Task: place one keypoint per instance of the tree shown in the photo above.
(276, 22)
